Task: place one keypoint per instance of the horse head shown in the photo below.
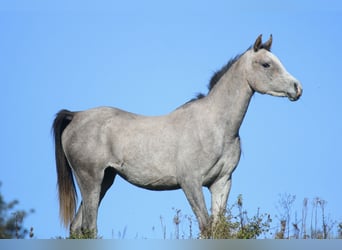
(265, 73)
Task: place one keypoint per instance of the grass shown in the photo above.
(235, 223)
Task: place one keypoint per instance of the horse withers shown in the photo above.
(196, 145)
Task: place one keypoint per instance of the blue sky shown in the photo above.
(149, 58)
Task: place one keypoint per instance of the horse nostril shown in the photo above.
(298, 90)
(296, 87)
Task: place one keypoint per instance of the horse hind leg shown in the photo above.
(76, 224)
(93, 189)
(108, 179)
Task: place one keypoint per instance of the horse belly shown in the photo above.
(148, 177)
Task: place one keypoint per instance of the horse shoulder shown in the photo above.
(232, 153)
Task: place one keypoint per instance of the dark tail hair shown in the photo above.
(66, 186)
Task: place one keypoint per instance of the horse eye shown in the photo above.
(266, 65)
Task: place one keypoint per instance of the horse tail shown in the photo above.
(66, 186)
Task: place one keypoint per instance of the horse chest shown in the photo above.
(225, 163)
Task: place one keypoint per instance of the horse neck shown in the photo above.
(228, 101)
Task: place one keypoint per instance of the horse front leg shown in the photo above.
(221, 187)
(194, 194)
(219, 196)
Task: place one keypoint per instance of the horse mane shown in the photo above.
(219, 73)
(216, 77)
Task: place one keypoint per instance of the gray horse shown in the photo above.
(196, 145)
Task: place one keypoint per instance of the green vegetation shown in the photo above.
(311, 222)
(238, 226)
(84, 235)
(11, 220)
(235, 223)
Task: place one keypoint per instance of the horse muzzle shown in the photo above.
(298, 91)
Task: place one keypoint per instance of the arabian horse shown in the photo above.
(196, 145)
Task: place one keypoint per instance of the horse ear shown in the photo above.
(257, 43)
(267, 45)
